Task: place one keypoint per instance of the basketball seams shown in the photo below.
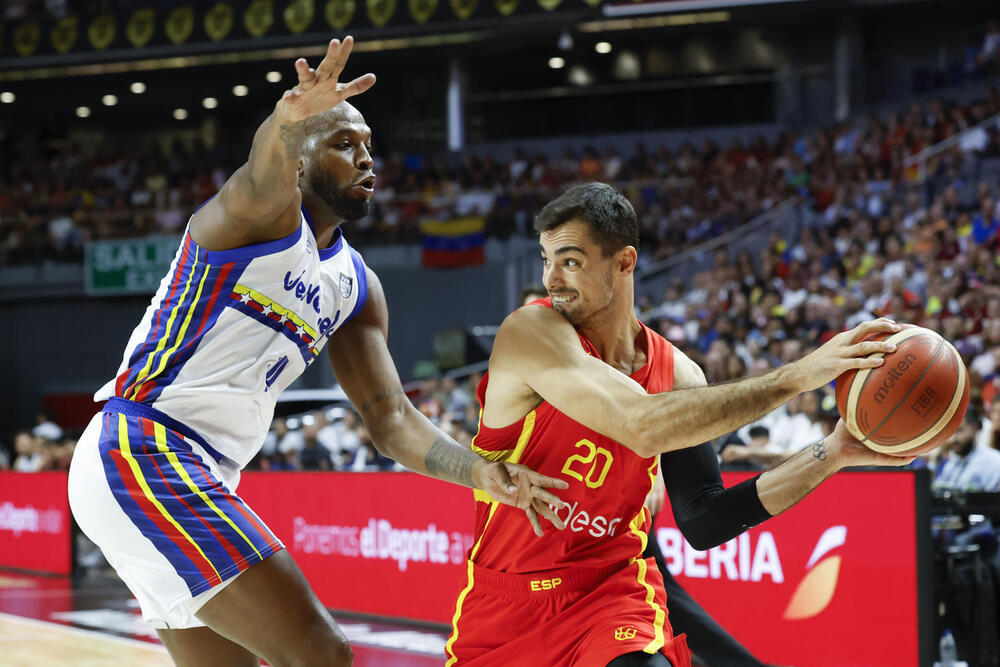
(933, 431)
(862, 375)
(916, 383)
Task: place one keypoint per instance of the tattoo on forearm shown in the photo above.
(386, 394)
(819, 451)
(292, 136)
(447, 458)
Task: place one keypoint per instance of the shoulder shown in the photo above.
(686, 372)
(535, 321)
(537, 336)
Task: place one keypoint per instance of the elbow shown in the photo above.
(641, 439)
(696, 536)
(647, 440)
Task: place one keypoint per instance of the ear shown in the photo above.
(301, 169)
(626, 260)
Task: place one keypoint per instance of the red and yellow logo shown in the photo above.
(625, 632)
(816, 589)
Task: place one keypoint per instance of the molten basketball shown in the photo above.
(913, 402)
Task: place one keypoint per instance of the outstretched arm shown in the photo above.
(365, 370)
(708, 514)
(537, 351)
(260, 200)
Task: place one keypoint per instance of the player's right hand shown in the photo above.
(843, 352)
(319, 89)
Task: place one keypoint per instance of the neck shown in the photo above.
(614, 331)
(323, 217)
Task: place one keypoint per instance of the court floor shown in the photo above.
(95, 622)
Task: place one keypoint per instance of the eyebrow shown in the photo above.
(570, 248)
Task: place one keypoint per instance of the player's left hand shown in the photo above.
(845, 450)
(519, 486)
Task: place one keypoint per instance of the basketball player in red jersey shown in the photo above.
(579, 389)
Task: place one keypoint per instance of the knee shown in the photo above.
(322, 646)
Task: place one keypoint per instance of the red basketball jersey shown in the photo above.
(608, 483)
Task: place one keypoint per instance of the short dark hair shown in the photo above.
(759, 431)
(610, 215)
(533, 290)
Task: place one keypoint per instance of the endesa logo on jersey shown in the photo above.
(841, 564)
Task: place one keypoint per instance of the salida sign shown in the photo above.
(833, 581)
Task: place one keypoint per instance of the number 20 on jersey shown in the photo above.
(593, 461)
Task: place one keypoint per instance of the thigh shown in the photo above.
(203, 647)
(271, 610)
(640, 659)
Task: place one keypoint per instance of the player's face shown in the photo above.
(340, 168)
(578, 277)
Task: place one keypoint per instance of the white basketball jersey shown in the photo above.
(228, 330)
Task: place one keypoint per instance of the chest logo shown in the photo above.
(303, 291)
(346, 285)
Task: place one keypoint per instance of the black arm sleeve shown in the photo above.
(707, 513)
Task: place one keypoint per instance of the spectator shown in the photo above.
(30, 455)
(968, 467)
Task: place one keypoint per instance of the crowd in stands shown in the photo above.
(916, 243)
(56, 196)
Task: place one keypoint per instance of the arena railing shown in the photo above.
(922, 158)
(784, 220)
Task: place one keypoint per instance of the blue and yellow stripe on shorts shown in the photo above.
(205, 532)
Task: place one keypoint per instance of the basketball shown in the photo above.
(913, 402)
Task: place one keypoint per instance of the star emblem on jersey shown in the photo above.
(346, 285)
(625, 632)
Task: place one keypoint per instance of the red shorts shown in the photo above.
(573, 616)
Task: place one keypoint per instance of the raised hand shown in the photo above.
(519, 486)
(319, 89)
(845, 351)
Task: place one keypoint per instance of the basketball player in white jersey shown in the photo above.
(263, 280)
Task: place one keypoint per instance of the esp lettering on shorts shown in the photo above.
(545, 584)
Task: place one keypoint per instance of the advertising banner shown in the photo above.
(391, 544)
(833, 581)
(35, 522)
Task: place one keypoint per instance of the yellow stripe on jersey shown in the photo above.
(180, 334)
(522, 444)
(126, 450)
(659, 616)
(166, 334)
(452, 659)
(508, 455)
(161, 444)
(276, 307)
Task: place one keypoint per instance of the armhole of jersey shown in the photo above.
(242, 254)
(362, 276)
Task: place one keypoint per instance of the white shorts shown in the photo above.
(164, 513)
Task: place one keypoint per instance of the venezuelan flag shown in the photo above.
(453, 243)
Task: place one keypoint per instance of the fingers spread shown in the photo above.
(539, 479)
(546, 511)
(872, 347)
(533, 518)
(305, 73)
(325, 68)
(358, 86)
(881, 325)
(543, 495)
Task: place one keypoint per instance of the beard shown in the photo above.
(340, 202)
